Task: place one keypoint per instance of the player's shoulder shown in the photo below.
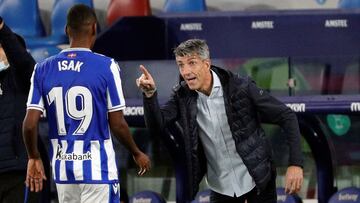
(84, 54)
(45, 63)
(102, 57)
(104, 63)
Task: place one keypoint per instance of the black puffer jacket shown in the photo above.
(15, 84)
(246, 107)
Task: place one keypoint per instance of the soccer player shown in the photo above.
(83, 98)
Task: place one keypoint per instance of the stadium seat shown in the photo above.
(349, 4)
(41, 53)
(350, 194)
(23, 17)
(147, 196)
(120, 8)
(58, 22)
(184, 5)
(282, 197)
(202, 197)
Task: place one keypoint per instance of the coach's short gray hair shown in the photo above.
(193, 46)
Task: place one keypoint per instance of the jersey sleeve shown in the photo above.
(115, 96)
(35, 100)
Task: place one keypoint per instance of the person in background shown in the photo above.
(82, 94)
(220, 115)
(16, 66)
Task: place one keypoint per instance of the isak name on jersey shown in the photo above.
(70, 65)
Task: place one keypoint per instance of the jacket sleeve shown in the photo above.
(21, 62)
(271, 110)
(156, 118)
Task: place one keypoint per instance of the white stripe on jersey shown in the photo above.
(109, 104)
(40, 105)
(31, 91)
(96, 161)
(62, 170)
(112, 170)
(78, 164)
(115, 70)
(54, 143)
(36, 107)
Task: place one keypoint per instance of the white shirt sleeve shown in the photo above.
(115, 96)
(35, 100)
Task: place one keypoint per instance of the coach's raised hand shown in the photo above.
(146, 83)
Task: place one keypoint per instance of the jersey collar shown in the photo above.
(76, 49)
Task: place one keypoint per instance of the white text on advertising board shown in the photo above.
(268, 24)
(142, 200)
(134, 111)
(297, 107)
(336, 23)
(348, 197)
(355, 106)
(191, 27)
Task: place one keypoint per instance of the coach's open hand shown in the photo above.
(143, 161)
(293, 179)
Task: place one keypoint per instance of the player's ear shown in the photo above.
(66, 30)
(94, 27)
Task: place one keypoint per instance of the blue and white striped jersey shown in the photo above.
(77, 88)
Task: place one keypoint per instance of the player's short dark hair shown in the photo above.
(80, 17)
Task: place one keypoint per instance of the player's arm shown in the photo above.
(121, 130)
(34, 110)
(35, 169)
(30, 125)
(118, 125)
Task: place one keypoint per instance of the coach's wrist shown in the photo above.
(150, 93)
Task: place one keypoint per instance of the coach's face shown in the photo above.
(196, 72)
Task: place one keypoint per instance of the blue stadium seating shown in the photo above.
(350, 194)
(349, 4)
(59, 13)
(185, 5)
(147, 196)
(41, 53)
(58, 22)
(282, 197)
(23, 17)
